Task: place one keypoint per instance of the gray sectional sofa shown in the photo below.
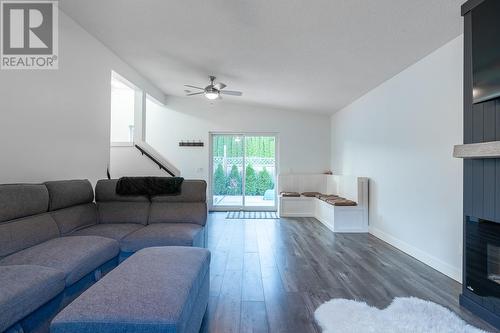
(55, 241)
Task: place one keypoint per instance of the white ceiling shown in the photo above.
(308, 55)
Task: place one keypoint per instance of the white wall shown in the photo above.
(401, 136)
(55, 124)
(304, 138)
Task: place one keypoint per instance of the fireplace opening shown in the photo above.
(493, 261)
(482, 261)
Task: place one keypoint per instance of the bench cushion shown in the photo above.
(24, 288)
(163, 234)
(310, 194)
(75, 256)
(326, 197)
(116, 231)
(161, 289)
(341, 202)
(290, 194)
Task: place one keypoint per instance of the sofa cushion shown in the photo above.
(17, 235)
(178, 212)
(191, 191)
(21, 200)
(123, 212)
(161, 289)
(76, 217)
(114, 208)
(163, 234)
(105, 190)
(112, 230)
(67, 193)
(76, 256)
(24, 288)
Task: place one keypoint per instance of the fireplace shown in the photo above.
(482, 262)
(481, 153)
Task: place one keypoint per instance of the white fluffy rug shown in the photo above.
(402, 315)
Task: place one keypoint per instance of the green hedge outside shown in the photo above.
(255, 183)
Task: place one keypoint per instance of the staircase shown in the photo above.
(139, 160)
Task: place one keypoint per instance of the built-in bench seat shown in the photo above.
(344, 211)
(332, 199)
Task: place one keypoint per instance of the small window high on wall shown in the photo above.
(126, 103)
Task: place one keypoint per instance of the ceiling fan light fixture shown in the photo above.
(213, 91)
(212, 95)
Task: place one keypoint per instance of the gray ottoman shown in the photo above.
(158, 289)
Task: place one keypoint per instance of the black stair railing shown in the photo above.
(152, 158)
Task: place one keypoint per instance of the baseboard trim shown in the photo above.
(298, 215)
(418, 254)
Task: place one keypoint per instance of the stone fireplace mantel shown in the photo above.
(478, 150)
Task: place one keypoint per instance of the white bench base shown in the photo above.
(348, 219)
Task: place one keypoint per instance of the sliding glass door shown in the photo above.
(243, 173)
(227, 166)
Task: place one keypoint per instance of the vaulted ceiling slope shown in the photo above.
(308, 55)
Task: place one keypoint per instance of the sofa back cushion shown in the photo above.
(188, 207)
(69, 193)
(191, 191)
(114, 208)
(75, 218)
(123, 212)
(17, 235)
(24, 221)
(178, 212)
(71, 204)
(21, 200)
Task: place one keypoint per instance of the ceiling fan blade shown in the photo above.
(231, 92)
(197, 93)
(190, 86)
(220, 86)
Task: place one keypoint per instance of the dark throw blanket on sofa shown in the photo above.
(149, 186)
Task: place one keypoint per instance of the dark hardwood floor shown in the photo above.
(270, 275)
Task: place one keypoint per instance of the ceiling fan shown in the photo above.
(213, 90)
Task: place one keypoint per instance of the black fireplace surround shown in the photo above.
(481, 257)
